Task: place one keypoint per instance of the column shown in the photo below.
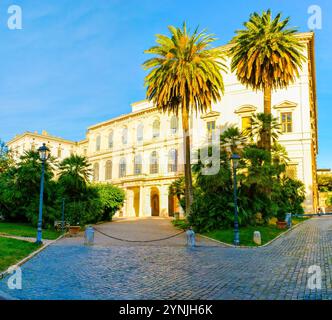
(163, 190)
(147, 202)
(141, 199)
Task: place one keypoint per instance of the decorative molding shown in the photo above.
(285, 105)
(245, 109)
(211, 114)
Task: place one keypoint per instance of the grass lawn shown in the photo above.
(26, 230)
(268, 232)
(12, 251)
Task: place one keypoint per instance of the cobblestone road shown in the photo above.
(168, 270)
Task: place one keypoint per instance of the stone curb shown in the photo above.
(30, 256)
(252, 247)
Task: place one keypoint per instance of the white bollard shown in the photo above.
(257, 238)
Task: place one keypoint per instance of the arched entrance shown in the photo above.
(155, 202)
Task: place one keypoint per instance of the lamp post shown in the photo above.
(44, 153)
(235, 161)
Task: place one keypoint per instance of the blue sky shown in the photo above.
(76, 63)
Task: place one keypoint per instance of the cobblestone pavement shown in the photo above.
(169, 270)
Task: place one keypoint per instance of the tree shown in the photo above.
(177, 189)
(185, 76)
(263, 126)
(111, 198)
(5, 157)
(266, 55)
(324, 182)
(233, 140)
(20, 187)
(74, 173)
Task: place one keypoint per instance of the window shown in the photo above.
(291, 171)
(174, 125)
(122, 168)
(211, 126)
(96, 172)
(98, 140)
(59, 152)
(173, 160)
(125, 135)
(154, 163)
(140, 129)
(246, 123)
(108, 170)
(138, 164)
(33, 146)
(156, 129)
(110, 140)
(85, 151)
(286, 122)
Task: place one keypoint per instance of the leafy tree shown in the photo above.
(324, 182)
(111, 198)
(266, 55)
(5, 157)
(184, 77)
(20, 188)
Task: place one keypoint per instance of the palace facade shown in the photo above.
(142, 151)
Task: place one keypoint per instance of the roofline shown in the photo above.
(38, 135)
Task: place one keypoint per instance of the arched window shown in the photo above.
(110, 140)
(174, 124)
(122, 168)
(156, 128)
(140, 129)
(98, 140)
(154, 163)
(124, 135)
(138, 164)
(96, 172)
(173, 160)
(108, 170)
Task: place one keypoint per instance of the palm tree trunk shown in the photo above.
(267, 110)
(187, 166)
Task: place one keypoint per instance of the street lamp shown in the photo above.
(44, 153)
(235, 160)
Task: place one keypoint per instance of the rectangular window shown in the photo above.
(211, 126)
(59, 152)
(286, 122)
(246, 123)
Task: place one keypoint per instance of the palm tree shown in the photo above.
(232, 140)
(185, 76)
(266, 55)
(262, 126)
(74, 175)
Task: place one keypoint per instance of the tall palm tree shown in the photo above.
(266, 56)
(185, 76)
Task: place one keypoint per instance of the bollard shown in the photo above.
(288, 219)
(191, 241)
(257, 238)
(89, 236)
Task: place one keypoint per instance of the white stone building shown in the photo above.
(142, 151)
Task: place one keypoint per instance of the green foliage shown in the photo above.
(266, 53)
(111, 199)
(84, 203)
(263, 191)
(324, 182)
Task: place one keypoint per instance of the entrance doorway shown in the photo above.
(155, 202)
